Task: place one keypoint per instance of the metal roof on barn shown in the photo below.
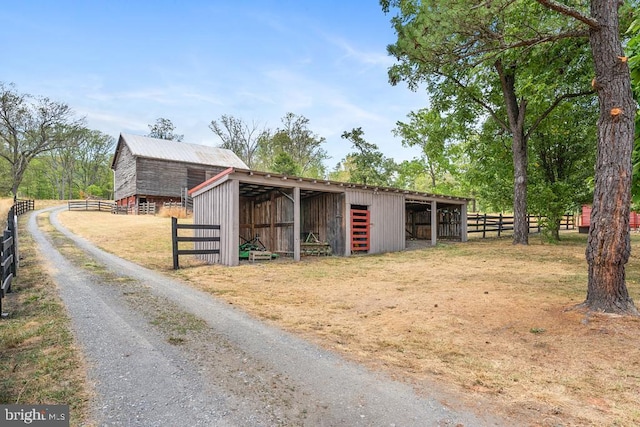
(154, 148)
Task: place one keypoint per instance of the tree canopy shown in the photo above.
(239, 137)
(164, 129)
(366, 165)
(485, 59)
(30, 126)
(293, 143)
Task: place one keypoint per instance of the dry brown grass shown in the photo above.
(5, 205)
(173, 211)
(39, 360)
(486, 320)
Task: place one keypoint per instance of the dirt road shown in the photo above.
(162, 354)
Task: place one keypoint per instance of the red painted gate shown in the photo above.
(360, 230)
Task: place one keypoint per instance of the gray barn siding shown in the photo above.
(270, 219)
(387, 219)
(220, 206)
(166, 178)
(125, 174)
(324, 215)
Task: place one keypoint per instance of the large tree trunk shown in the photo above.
(516, 114)
(520, 163)
(609, 246)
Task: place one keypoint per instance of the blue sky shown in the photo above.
(125, 64)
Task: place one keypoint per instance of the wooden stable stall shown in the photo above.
(294, 216)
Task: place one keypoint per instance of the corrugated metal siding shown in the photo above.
(387, 218)
(125, 175)
(220, 206)
(144, 146)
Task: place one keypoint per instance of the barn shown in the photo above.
(294, 216)
(151, 170)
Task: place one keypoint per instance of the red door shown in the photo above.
(360, 228)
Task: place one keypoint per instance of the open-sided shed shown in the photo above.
(284, 212)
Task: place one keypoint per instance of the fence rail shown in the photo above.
(9, 259)
(23, 206)
(177, 239)
(147, 208)
(91, 205)
(487, 223)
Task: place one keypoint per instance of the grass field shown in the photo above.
(485, 320)
(39, 360)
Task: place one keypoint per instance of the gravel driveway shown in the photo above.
(231, 370)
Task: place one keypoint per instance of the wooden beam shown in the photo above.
(434, 223)
(296, 223)
(272, 219)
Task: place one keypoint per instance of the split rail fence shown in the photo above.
(9, 248)
(177, 239)
(487, 223)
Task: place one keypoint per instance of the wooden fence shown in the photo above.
(9, 260)
(147, 208)
(91, 205)
(23, 206)
(108, 206)
(486, 223)
(177, 239)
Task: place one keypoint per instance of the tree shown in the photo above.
(434, 134)
(298, 142)
(480, 59)
(92, 166)
(285, 165)
(30, 126)
(411, 175)
(563, 150)
(163, 129)
(60, 168)
(609, 244)
(239, 137)
(371, 167)
(633, 52)
(36, 183)
(489, 174)
(79, 170)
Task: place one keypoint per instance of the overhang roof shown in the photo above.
(154, 148)
(251, 182)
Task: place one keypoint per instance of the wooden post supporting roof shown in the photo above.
(434, 222)
(296, 223)
(463, 223)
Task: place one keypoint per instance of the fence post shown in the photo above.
(12, 226)
(500, 224)
(484, 226)
(174, 241)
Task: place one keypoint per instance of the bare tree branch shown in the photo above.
(480, 102)
(569, 11)
(553, 106)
